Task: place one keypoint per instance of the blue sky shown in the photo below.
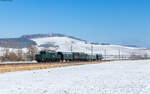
(111, 21)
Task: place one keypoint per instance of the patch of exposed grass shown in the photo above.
(13, 68)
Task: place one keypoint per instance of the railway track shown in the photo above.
(36, 66)
(14, 64)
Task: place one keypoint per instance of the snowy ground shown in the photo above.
(65, 44)
(11, 62)
(126, 77)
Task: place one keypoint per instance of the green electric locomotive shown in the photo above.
(45, 56)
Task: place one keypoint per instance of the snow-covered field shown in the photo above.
(118, 77)
(66, 43)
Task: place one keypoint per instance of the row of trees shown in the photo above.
(19, 55)
(29, 55)
(138, 56)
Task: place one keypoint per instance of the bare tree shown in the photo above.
(12, 56)
(5, 56)
(20, 55)
(134, 56)
(32, 50)
(145, 56)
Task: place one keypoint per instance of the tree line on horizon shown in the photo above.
(19, 55)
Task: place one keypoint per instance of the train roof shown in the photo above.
(65, 52)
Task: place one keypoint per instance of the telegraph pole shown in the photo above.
(92, 51)
(71, 46)
(119, 53)
(105, 53)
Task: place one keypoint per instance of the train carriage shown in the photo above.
(92, 57)
(99, 56)
(66, 56)
(47, 56)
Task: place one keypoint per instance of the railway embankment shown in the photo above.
(36, 66)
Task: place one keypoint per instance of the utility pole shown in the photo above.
(119, 53)
(71, 46)
(92, 51)
(105, 54)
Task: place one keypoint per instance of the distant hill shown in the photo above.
(68, 44)
(16, 42)
(49, 35)
(42, 35)
(131, 45)
(25, 40)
